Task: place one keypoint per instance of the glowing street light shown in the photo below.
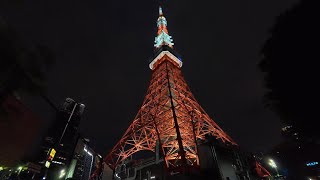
(62, 173)
(19, 170)
(273, 165)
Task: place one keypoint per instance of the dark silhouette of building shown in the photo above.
(62, 137)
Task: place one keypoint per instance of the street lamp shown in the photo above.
(273, 164)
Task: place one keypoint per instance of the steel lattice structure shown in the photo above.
(169, 115)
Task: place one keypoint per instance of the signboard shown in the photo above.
(47, 164)
(51, 154)
(312, 163)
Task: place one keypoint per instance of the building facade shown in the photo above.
(85, 160)
(59, 144)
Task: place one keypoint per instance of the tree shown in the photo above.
(290, 58)
(22, 69)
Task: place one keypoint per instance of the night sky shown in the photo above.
(102, 50)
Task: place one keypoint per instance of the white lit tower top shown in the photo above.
(163, 37)
(164, 44)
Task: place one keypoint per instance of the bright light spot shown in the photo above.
(117, 175)
(20, 168)
(1, 168)
(47, 164)
(152, 177)
(312, 163)
(57, 162)
(87, 151)
(272, 163)
(62, 173)
(44, 177)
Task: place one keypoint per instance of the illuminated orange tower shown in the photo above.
(170, 116)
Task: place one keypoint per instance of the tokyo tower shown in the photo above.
(170, 117)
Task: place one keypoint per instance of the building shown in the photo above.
(73, 157)
(85, 160)
(59, 144)
(172, 137)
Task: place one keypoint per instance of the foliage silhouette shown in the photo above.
(290, 58)
(22, 66)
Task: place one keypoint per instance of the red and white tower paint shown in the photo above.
(170, 116)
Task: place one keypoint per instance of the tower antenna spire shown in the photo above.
(163, 37)
(160, 11)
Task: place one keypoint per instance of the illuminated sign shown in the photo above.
(51, 153)
(47, 164)
(312, 163)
